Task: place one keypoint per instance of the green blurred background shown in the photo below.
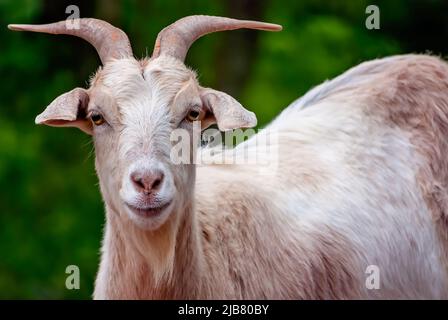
(51, 212)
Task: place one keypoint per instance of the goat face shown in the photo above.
(132, 108)
(138, 105)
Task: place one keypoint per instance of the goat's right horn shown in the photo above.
(109, 41)
(176, 39)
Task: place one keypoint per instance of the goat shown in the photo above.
(361, 177)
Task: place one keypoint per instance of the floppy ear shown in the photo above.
(228, 113)
(68, 110)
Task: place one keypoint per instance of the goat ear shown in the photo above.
(68, 110)
(228, 113)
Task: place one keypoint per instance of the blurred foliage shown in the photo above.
(51, 212)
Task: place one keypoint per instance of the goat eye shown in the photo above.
(97, 119)
(194, 115)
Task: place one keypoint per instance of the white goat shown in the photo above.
(361, 178)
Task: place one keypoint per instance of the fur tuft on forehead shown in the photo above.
(168, 74)
(128, 78)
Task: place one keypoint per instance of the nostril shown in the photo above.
(156, 183)
(156, 180)
(137, 181)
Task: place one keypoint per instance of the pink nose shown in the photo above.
(147, 181)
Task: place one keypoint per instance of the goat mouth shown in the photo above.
(148, 212)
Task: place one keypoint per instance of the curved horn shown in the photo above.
(176, 39)
(109, 41)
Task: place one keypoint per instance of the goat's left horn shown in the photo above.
(109, 41)
(176, 39)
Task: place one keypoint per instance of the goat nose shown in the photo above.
(147, 181)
